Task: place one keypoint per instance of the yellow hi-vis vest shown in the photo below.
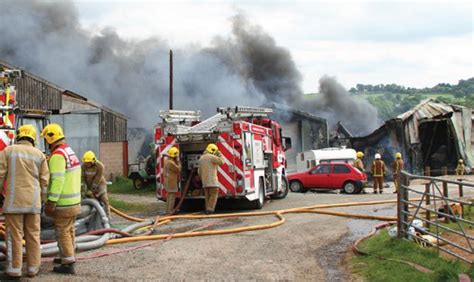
(65, 181)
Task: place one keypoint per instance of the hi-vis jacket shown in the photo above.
(93, 178)
(65, 183)
(207, 170)
(172, 172)
(26, 172)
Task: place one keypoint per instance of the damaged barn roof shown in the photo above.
(403, 133)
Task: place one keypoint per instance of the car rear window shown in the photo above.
(341, 169)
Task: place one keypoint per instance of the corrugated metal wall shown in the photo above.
(113, 127)
(81, 130)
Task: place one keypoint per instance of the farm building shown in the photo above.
(430, 136)
(307, 131)
(87, 124)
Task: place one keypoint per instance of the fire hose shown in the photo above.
(92, 240)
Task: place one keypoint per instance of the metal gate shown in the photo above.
(446, 217)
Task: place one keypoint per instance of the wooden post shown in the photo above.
(427, 171)
(445, 194)
(461, 194)
(428, 202)
(402, 216)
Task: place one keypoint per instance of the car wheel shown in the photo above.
(284, 189)
(138, 183)
(350, 187)
(296, 186)
(258, 203)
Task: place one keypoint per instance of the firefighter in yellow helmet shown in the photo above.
(64, 195)
(358, 163)
(378, 173)
(397, 167)
(25, 170)
(209, 162)
(93, 180)
(460, 168)
(172, 172)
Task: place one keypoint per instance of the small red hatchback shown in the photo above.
(329, 176)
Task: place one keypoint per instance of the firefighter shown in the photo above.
(172, 171)
(460, 168)
(26, 171)
(378, 172)
(64, 195)
(358, 163)
(397, 167)
(207, 170)
(93, 180)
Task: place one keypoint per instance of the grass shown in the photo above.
(124, 185)
(376, 269)
(133, 207)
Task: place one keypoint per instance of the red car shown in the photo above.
(329, 176)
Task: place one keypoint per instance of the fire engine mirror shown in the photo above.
(286, 143)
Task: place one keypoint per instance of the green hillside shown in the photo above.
(392, 100)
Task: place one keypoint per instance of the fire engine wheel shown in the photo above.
(258, 203)
(349, 187)
(138, 183)
(284, 190)
(296, 186)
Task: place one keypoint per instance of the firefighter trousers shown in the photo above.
(378, 184)
(64, 220)
(17, 226)
(104, 199)
(170, 199)
(396, 181)
(210, 197)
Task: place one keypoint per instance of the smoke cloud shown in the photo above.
(336, 104)
(246, 67)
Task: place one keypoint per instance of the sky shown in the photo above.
(412, 43)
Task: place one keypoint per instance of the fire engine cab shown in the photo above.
(251, 144)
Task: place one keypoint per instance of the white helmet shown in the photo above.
(377, 156)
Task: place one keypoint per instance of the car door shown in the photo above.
(340, 174)
(319, 176)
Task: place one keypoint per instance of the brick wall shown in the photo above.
(111, 155)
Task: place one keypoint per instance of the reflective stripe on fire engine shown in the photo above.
(226, 176)
(228, 147)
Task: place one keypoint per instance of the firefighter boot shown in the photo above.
(65, 269)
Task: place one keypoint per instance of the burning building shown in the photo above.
(431, 136)
(307, 131)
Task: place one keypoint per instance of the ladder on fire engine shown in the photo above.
(206, 126)
(239, 112)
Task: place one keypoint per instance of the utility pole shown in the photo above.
(171, 79)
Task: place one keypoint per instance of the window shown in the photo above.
(341, 169)
(302, 156)
(322, 169)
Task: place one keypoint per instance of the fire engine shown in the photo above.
(251, 144)
(11, 116)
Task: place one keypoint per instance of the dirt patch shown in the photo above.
(461, 241)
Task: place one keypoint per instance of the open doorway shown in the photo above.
(438, 145)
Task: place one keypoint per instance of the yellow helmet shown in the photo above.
(52, 133)
(360, 154)
(460, 161)
(173, 152)
(398, 155)
(26, 130)
(212, 148)
(89, 157)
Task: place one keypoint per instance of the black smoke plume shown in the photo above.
(247, 67)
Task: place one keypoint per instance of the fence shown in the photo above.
(436, 209)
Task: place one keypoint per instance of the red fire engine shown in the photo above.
(251, 144)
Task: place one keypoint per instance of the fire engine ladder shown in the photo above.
(206, 126)
(239, 112)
